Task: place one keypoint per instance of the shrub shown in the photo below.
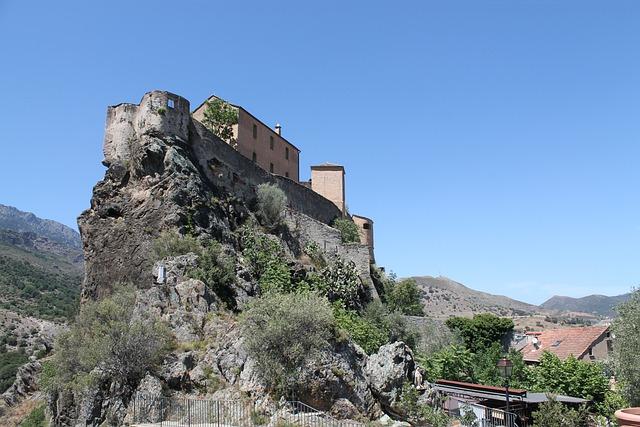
(342, 282)
(554, 414)
(348, 230)
(219, 118)
(36, 418)
(394, 323)
(362, 331)
(105, 335)
(284, 332)
(482, 330)
(217, 270)
(170, 243)
(9, 364)
(266, 259)
(627, 346)
(405, 298)
(271, 204)
(419, 414)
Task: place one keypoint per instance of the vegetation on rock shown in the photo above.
(105, 342)
(348, 230)
(9, 364)
(285, 331)
(271, 204)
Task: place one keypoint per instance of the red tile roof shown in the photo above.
(563, 342)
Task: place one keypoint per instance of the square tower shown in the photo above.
(328, 180)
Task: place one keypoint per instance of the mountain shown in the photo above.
(40, 265)
(16, 220)
(597, 304)
(444, 297)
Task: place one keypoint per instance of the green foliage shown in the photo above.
(105, 335)
(363, 331)
(627, 347)
(271, 204)
(555, 414)
(285, 331)
(421, 414)
(392, 322)
(613, 400)
(343, 282)
(404, 297)
(9, 364)
(348, 230)
(219, 118)
(454, 362)
(316, 254)
(217, 270)
(36, 418)
(170, 243)
(571, 377)
(266, 259)
(36, 289)
(481, 331)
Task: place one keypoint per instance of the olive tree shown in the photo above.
(626, 347)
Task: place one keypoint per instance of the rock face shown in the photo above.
(167, 172)
(26, 383)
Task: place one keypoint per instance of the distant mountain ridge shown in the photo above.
(14, 219)
(443, 297)
(41, 265)
(596, 304)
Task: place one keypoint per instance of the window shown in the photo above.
(254, 157)
(271, 142)
(255, 131)
(286, 174)
(366, 226)
(286, 153)
(170, 103)
(271, 167)
(590, 351)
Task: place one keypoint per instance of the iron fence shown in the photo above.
(300, 414)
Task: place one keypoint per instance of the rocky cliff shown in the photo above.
(167, 172)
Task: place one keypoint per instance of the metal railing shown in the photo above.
(485, 416)
(300, 414)
(145, 411)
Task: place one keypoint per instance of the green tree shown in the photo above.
(554, 414)
(271, 204)
(348, 230)
(283, 332)
(405, 297)
(481, 331)
(219, 118)
(364, 332)
(626, 348)
(106, 335)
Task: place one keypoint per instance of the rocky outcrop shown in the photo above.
(25, 384)
(387, 370)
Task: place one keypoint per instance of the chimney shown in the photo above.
(278, 129)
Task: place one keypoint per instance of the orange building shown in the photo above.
(257, 141)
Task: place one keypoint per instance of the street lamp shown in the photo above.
(505, 366)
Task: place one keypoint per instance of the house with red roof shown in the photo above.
(586, 343)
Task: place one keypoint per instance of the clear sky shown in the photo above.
(493, 142)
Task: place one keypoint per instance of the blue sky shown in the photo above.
(493, 142)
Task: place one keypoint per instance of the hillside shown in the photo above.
(601, 305)
(444, 297)
(40, 265)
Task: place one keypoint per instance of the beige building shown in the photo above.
(328, 180)
(365, 229)
(257, 141)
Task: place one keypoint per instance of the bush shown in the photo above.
(394, 323)
(284, 332)
(271, 204)
(405, 297)
(482, 330)
(9, 364)
(104, 335)
(266, 259)
(170, 243)
(348, 230)
(362, 331)
(627, 346)
(342, 282)
(554, 414)
(217, 270)
(36, 418)
(419, 414)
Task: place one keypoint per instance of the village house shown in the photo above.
(591, 343)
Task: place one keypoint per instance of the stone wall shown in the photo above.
(226, 168)
(329, 239)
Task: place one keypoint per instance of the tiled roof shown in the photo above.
(563, 342)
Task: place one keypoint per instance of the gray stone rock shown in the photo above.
(387, 370)
(25, 384)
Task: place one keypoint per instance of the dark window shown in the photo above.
(590, 351)
(271, 167)
(271, 142)
(254, 157)
(170, 103)
(366, 226)
(286, 153)
(255, 131)
(286, 174)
